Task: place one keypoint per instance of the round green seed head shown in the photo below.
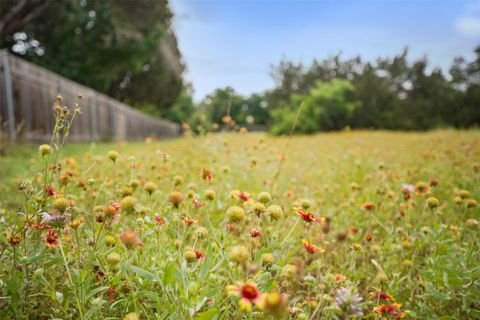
(190, 256)
(306, 204)
(114, 258)
(235, 214)
(268, 260)
(264, 197)
(150, 187)
(258, 208)
(112, 155)
(60, 204)
(275, 212)
(128, 204)
(433, 202)
(210, 194)
(201, 232)
(44, 150)
(239, 254)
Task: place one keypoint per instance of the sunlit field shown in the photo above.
(244, 226)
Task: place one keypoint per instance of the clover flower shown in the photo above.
(348, 301)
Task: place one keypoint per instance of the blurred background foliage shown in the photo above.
(125, 49)
(128, 50)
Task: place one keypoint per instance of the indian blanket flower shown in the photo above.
(309, 216)
(197, 203)
(255, 233)
(206, 174)
(248, 294)
(13, 239)
(189, 221)
(159, 220)
(368, 206)
(51, 238)
(348, 301)
(243, 196)
(389, 310)
(380, 295)
(199, 255)
(422, 188)
(339, 278)
(49, 190)
(311, 248)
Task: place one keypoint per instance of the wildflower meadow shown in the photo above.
(240, 225)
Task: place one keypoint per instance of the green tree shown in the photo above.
(123, 48)
(328, 106)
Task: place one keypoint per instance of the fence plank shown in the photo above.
(104, 118)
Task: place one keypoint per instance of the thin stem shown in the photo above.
(70, 278)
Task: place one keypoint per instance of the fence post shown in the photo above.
(8, 95)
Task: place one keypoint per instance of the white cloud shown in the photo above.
(469, 26)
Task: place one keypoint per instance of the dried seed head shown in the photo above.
(175, 198)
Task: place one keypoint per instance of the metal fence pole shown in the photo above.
(8, 95)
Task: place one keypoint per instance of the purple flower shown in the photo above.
(408, 187)
(349, 301)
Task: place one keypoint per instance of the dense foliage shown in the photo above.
(125, 49)
(351, 225)
(390, 93)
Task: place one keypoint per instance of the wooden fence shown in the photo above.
(27, 93)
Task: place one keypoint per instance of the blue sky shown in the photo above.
(235, 42)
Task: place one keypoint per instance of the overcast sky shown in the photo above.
(235, 42)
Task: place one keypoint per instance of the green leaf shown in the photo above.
(169, 274)
(144, 273)
(207, 263)
(208, 315)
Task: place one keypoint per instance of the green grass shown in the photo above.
(426, 257)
